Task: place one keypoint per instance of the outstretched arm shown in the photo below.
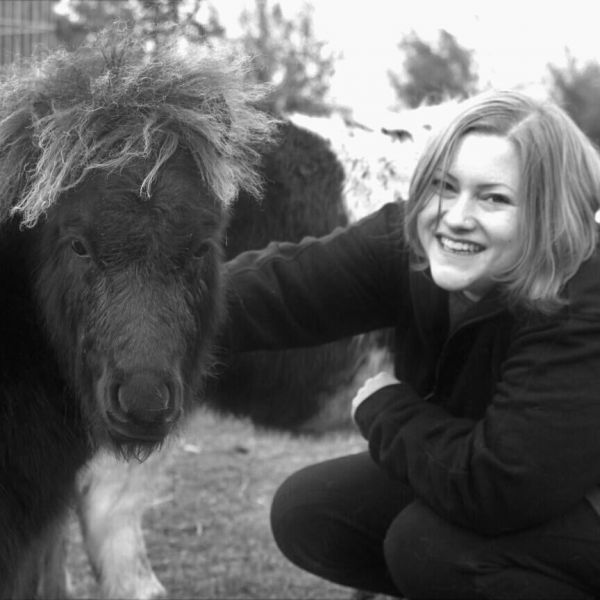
(321, 289)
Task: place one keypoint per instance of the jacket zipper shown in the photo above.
(474, 320)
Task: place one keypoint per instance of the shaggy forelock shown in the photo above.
(108, 105)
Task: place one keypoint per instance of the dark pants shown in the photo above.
(345, 521)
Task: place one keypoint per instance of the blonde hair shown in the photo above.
(109, 105)
(559, 195)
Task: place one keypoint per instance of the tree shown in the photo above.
(287, 54)
(285, 51)
(155, 20)
(576, 88)
(434, 74)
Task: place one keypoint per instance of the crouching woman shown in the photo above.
(482, 475)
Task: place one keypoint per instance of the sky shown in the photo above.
(512, 40)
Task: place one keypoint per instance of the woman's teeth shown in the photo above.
(459, 247)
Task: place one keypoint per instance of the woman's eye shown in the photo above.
(79, 248)
(497, 199)
(443, 186)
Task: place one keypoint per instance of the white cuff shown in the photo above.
(370, 386)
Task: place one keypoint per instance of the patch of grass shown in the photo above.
(211, 538)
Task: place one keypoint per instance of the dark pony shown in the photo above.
(116, 173)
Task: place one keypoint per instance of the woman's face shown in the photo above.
(470, 233)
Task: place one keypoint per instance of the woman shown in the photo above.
(484, 445)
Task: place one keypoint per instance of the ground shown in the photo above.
(208, 533)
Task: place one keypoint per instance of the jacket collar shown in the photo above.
(430, 305)
(489, 306)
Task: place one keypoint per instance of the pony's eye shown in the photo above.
(79, 248)
(201, 250)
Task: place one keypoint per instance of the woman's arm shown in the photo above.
(321, 289)
(535, 453)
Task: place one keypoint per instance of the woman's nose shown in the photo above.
(459, 212)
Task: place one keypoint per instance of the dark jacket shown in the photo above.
(496, 424)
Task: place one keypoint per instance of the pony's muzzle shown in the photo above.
(143, 405)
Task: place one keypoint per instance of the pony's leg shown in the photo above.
(41, 572)
(53, 577)
(111, 502)
(335, 411)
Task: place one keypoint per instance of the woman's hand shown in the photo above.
(370, 386)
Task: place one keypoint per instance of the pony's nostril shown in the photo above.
(114, 405)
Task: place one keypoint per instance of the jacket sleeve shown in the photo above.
(534, 455)
(291, 295)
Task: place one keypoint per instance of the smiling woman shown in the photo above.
(485, 437)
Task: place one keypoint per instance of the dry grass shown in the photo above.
(210, 536)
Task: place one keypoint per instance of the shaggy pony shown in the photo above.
(116, 171)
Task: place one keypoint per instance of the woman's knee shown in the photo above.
(428, 557)
(292, 513)
(332, 499)
(323, 522)
(307, 518)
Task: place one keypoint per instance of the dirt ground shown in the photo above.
(208, 533)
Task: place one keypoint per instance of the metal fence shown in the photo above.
(26, 25)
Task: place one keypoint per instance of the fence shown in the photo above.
(25, 25)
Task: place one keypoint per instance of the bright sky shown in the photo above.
(513, 40)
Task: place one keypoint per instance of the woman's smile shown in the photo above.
(459, 247)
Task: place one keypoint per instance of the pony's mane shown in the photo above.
(109, 104)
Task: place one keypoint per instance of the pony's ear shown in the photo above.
(40, 107)
(15, 127)
(17, 150)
